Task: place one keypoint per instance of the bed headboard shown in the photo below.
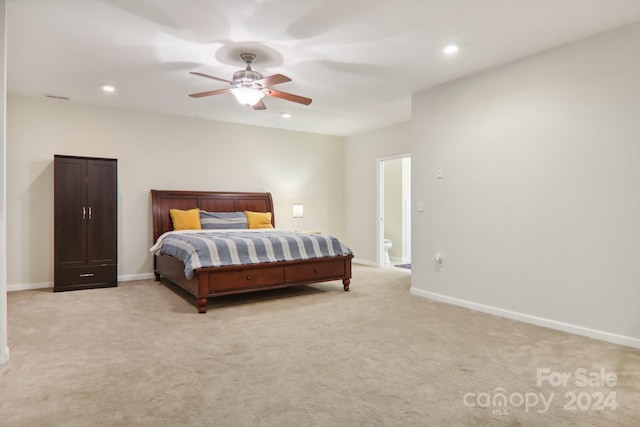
(212, 201)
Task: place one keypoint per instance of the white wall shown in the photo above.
(4, 347)
(362, 154)
(538, 214)
(156, 152)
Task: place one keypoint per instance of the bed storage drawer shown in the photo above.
(245, 279)
(319, 269)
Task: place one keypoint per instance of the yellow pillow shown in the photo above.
(259, 219)
(185, 220)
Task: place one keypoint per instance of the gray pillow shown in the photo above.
(223, 220)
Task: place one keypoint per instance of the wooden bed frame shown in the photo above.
(218, 281)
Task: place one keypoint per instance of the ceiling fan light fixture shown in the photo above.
(247, 96)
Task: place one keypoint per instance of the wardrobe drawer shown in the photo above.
(85, 277)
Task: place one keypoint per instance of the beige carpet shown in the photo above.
(140, 355)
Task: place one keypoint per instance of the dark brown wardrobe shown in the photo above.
(86, 222)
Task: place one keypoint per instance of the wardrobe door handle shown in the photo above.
(84, 213)
(90, 212)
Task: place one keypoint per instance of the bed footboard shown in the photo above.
(212, 282)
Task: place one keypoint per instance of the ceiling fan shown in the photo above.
(249, 87)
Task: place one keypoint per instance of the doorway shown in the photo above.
(394, 211)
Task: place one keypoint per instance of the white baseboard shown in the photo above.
(29, 286)
(364, 262)
(132, 277)
(44, 285)
(547, 323)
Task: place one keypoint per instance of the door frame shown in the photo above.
(380, 204)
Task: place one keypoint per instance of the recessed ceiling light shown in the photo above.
(285, 115)
(108, 88)
(450, 49)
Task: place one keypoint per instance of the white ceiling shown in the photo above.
(359, 60)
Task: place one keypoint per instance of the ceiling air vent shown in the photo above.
(65, 98)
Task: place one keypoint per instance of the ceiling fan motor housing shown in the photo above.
(247, 78)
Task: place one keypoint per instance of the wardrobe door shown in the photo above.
(102, 212)
(70, 212)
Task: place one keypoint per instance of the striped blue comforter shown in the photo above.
(214, 248)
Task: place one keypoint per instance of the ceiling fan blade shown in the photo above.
(211, 92)
(273, 80)
(210, 77)
(288, 96)
(259, 105)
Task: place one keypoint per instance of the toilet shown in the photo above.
(387, 245)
